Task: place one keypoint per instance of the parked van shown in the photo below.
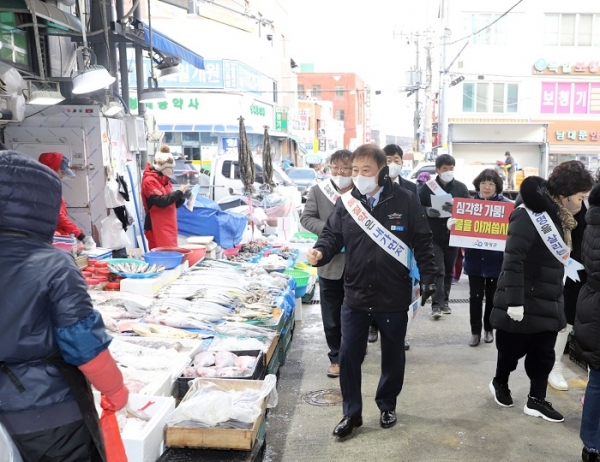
(224, 179)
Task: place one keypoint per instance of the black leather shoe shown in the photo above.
(406, 346)
(373, 334)
(388, 419)
(588, 456)
(347, 426)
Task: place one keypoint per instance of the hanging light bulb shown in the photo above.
(88, 77)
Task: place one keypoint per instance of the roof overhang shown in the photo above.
(56, 20)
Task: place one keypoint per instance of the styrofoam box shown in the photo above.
(148, 445)
(150, 286)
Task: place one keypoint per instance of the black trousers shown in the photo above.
(445, 258)
(355, 331)
(332, 297)
(68, 443)
(478, 288)
(538, 350)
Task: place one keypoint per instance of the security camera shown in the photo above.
(269, 37)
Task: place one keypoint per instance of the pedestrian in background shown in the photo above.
(377, 281)
(511, 170)
(528, 305)
(483, 266)
(318, 207)
(587, 329)
(445, 255)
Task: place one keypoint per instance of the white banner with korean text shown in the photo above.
(329, 191)
(375, 230)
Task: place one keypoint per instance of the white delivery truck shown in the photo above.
(224, 180)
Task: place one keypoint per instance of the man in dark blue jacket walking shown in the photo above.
(377, 223)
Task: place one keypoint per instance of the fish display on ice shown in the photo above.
(238, 329)
(156, 330)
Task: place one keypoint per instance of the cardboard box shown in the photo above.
(218, 438)
(148, 445)
(271, 349)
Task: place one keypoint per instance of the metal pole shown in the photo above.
(427, 106)
(139, 77)
(417, 116)
(123, 65)
(443, 114)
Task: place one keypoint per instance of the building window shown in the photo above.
(14, 49)
(490, 35)
(567, 30)
(301, 91)
(339, 90)
(487, 97)
(316, 91)
(339, 114)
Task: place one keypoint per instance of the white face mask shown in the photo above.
(447, 177)
(395, 169)
(587, 203)
(365, 184)
(342, 182)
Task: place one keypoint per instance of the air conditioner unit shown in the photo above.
(12, 109)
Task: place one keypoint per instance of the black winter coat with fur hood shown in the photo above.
(587, 317)
(531, 276)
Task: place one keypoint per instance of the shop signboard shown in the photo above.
(555, 67)
(174, 102)
(188, 75)
(229, 144)
(480, 224)
(281, 119)
(303, 120)
(570, 98)
(239, 76)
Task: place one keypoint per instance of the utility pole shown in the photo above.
(443, 103)
(417, 116)
(427, 105)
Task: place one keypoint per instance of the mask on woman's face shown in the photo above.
(572, 204)
(168, 171)
(365, 184)
(342, 182)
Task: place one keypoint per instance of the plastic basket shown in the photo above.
(306, 267)
(300, 291)
(169, 260)
(306, 235)
(301, 277)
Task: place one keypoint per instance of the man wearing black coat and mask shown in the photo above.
(377, 223)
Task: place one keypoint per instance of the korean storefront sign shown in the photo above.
(570, 98)
(281, 119)
(554, 67)
(188, 76)
(182, 103)
(574, 132)
(480, 224)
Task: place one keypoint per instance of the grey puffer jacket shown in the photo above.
(587, 315)
(531, 275)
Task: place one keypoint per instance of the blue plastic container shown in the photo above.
(300, 291)
(169, 260)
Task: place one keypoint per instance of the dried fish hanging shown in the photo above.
(247, 173)
(268, 184)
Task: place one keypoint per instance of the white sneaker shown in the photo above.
(556, 379)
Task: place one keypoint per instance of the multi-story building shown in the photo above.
(349, 95)
(531, 82)
(248, 72)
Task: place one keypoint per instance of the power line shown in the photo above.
(487, 26)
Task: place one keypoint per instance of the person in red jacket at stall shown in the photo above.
(161, 201)
(60, 164)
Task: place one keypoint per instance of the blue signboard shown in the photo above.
(238, 76)
(188, 77)
(229, 143)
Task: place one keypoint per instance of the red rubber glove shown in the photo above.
(105, 376)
